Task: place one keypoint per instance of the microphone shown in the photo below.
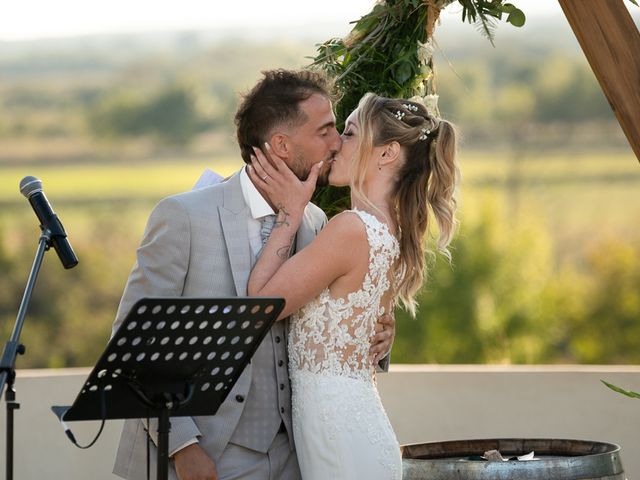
(31, 187)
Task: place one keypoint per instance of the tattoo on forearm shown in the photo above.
(282, 218)
(285, 252)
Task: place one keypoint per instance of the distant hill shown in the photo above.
(62, 90)
(454, 37)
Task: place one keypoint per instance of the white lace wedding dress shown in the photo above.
(340, 427)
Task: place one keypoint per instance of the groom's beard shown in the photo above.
(303, 173)
(323, 177)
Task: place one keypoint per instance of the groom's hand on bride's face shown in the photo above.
(382, 340)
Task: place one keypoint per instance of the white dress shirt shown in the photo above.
(259, 208)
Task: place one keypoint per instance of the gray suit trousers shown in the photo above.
(279, 463)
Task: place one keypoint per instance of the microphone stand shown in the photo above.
(13, 348)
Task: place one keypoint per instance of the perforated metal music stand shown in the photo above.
(173, 357)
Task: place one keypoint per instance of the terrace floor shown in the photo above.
(425, 403)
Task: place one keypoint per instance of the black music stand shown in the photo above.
(173, 357)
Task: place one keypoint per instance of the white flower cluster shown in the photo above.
(424, 132)
(425, 51)
(429, 101)
(399, 115)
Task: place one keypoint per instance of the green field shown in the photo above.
(572, 194)
(483, 170)
(144, 180)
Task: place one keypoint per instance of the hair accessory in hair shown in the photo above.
(424, 133)
(411, 108)
(399, 115)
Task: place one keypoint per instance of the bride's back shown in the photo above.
(332, 334)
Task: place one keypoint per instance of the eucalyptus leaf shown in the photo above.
(621, 390)
(516, 18)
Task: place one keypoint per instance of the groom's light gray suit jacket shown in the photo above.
(196, 245)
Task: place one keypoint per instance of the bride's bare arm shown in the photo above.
(299, 279)
(331, 255)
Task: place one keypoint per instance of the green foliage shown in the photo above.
(505, 300)
(487, 307)
(380, 55)
(628, 393)
(170, 115)
(384, 52)
(482, 13)
(71, 311)
(10, 293)
(388, 53)
(608, 330)
(332, 199)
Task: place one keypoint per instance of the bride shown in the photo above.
(400, 164)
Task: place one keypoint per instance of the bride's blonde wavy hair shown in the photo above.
(425, 182)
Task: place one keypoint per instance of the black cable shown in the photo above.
(84, 447)
(69, 433)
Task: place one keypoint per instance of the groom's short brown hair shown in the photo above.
(274, 101)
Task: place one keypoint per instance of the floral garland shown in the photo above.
(390, 52)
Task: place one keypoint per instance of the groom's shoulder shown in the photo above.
(204, 196)
(193, 199)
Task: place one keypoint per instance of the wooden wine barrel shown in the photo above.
(554, 459)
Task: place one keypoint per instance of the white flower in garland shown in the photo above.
(429, 101)
(425, 51)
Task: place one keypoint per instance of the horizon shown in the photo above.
(54, 21)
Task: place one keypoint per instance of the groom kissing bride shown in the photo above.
(306, 406)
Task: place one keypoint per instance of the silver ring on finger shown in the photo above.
(264, 179)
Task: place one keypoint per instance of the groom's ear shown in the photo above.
(281, 145)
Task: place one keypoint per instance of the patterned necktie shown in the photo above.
(265, 230)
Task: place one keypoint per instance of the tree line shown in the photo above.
(175, 99)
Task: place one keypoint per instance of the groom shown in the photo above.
(203, 244)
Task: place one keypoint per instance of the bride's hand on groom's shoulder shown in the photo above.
(382, 340)
(275, 180)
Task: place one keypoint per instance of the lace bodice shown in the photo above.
(333, 335)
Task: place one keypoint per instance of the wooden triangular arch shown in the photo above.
(611, 42)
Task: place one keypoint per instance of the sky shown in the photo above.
(36, 19)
